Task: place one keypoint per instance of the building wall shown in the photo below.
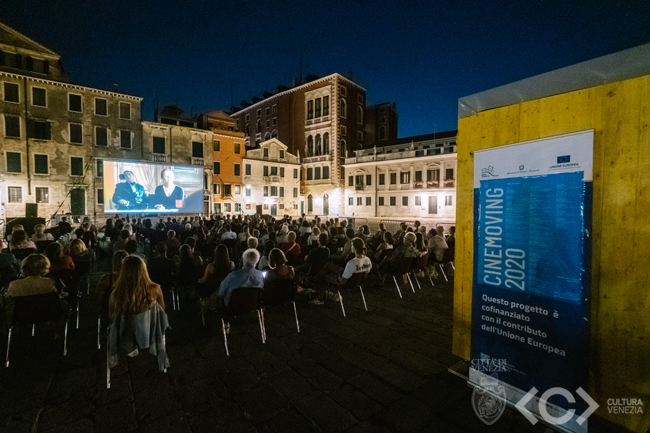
(226, 157)
(58, 147)
(619, 114)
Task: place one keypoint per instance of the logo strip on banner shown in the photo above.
(531, 280)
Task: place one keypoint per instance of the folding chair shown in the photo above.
(33, 309)
(243, 300)
(420, 264)
(356, 280)
(448, 257)
(279, 292)
(20, 254)
(402, 268)
(41, 246)
(81, 274)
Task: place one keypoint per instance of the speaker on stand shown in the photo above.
(31, 210)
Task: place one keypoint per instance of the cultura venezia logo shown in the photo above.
(488, 172)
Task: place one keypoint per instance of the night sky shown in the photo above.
(423, 55)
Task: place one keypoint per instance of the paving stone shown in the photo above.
(229, 419)
(22, 422)
(397, 376)
(266, 363)
(261, 402)
(189, 370)
(174, 422)
(355, 402)
(70, 382)
(81, 405)
(372, 386)
(406, 414)
(415, 362)
(156, 401)
(320, 378)
(290, 421)
(342, 369)
(362, 358)
(369, 427)
(84, 425)
(325, 413)
(291, 385)
(241, 379)
(115, 417)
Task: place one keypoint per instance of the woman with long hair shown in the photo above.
(419, 244)
(20, 241)
(134, 292)
(279, 268)
(58, 261)
(40, 235)
(216, 271)
(264, 259)
(106, 283)
(79, 253)
(387, 244)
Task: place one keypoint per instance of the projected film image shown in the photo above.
(141, 187)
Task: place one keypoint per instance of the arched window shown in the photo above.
(326, 143)
(310, 204)
(318, 146)
(360, 115)
(259, 125)
(274, 134)
(310, 146)
(382, 132)
(248, 130)
(343, 147)
(343, 109)
(267, 136)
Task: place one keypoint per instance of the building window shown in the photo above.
(100, 196)
(248, 116)
(266, 170)
(101, 137)
(12, 126)
(74, 102)
(11, 92)
(382, 132)
(317, 173)
(449, 174)
(380, 201)
(275, 109)
(351, 201)
(405, 201)
(418, 176)
(295, 192)
(282, 154)
(326, 172)
(247, 129)
(125, 110)
(14, 163)
(382, 179)
(350, 180)
(265, 206)
(343, 110)
(310, 110)
(100, 168)
(448, 200)
(216, 188)
(217, 167)
(382, 120)
(360, 135)
(281, 171)
(197, 149)
(76, 166)
(259, 126)
(326, 105)
(259, 112)
(358, 180)
(310, 146)
(267, 111)
(310, 173)
(227, 190)
(37, 65)
(41, 165)
(295, 173)
(248, 169)
(237, 189)
(368, 179)
(15, 194)
(368, 201)
(266, 191)
(393, 201)
(227, 207)
(125, 139)
(266, 152)
(237, 207)
(237, 148)
(343, 91)
(418, 200)
(393, 178)
(360, 116)
(216, 145)
(159, 145)
(42, 194)
(101, 108)
(275, 122)
(344, 130)
(248, 190)
(281, 191)
(360, 99)
(40, 130)
(359, 201)
(318, 145)
(317, 108)
(405, 177)
(76, 133)
(274, 171)
(237, 169)
(39, 97)
(268, 123)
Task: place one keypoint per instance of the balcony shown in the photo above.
(271, 179)
(433, 184)
(318, 120)
(450, 183)
(312, 159)
(359, 187)
(159, 157)
(418, 184)
(197, 161)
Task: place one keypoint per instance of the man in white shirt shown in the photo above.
(228, 234)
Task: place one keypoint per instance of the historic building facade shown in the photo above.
(271, 180)
(415, 178)
(54, 134)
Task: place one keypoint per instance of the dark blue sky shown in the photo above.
(423, 55)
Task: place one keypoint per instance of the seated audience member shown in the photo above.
(248, 276)
(40, 235)
(221, 265)
(89, 236)
(420, 245)
(291, 249)
(20, 241)
(185, 267)
(316, 255)
(437, 243)
(79, 253)
(173, 244)
(64, 226)
(9, 266)
(386, 244)
(305, 228)
(347, 248)
(160, 267)
(252, 243)
(131, 247)
(107, 281)
(279, 268)
(244, 235)
(14, 229)
(283, 236)
(228, 234)
(451, 239)
(264, 260)
(406, 250)
(334, 276)
(58, 260)
(121, 243)
(313, 237)
(134, 292)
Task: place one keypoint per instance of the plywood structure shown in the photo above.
(619, 113)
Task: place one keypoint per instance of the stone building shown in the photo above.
(322, 120)
(412, 179)
(271, 180)
(54, 133)
(381, 124)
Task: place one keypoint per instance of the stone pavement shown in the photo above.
(384, 370)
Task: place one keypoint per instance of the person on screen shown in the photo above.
(129, 195)
(167, 195)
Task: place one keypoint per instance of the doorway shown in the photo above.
(310, 204)
(326, 205)
(258, 209)
(274, 210)
(433, 205)
(78, 201)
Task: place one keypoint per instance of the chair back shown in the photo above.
(54, 231)
(82, 268)
(448, 256)
(23, 252)
(316, 267)
(385, 253)
(355, 280)
(422, 262)
(37, 308)
(244, 300)
(41, 246)
(279, 291)
(404, 265)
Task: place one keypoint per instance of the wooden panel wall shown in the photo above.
(619, 113)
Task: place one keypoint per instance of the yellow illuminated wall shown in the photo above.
(619, 113)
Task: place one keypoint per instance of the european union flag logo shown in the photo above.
(563, 159)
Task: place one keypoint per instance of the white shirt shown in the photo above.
(228, 235)
(356, 266)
